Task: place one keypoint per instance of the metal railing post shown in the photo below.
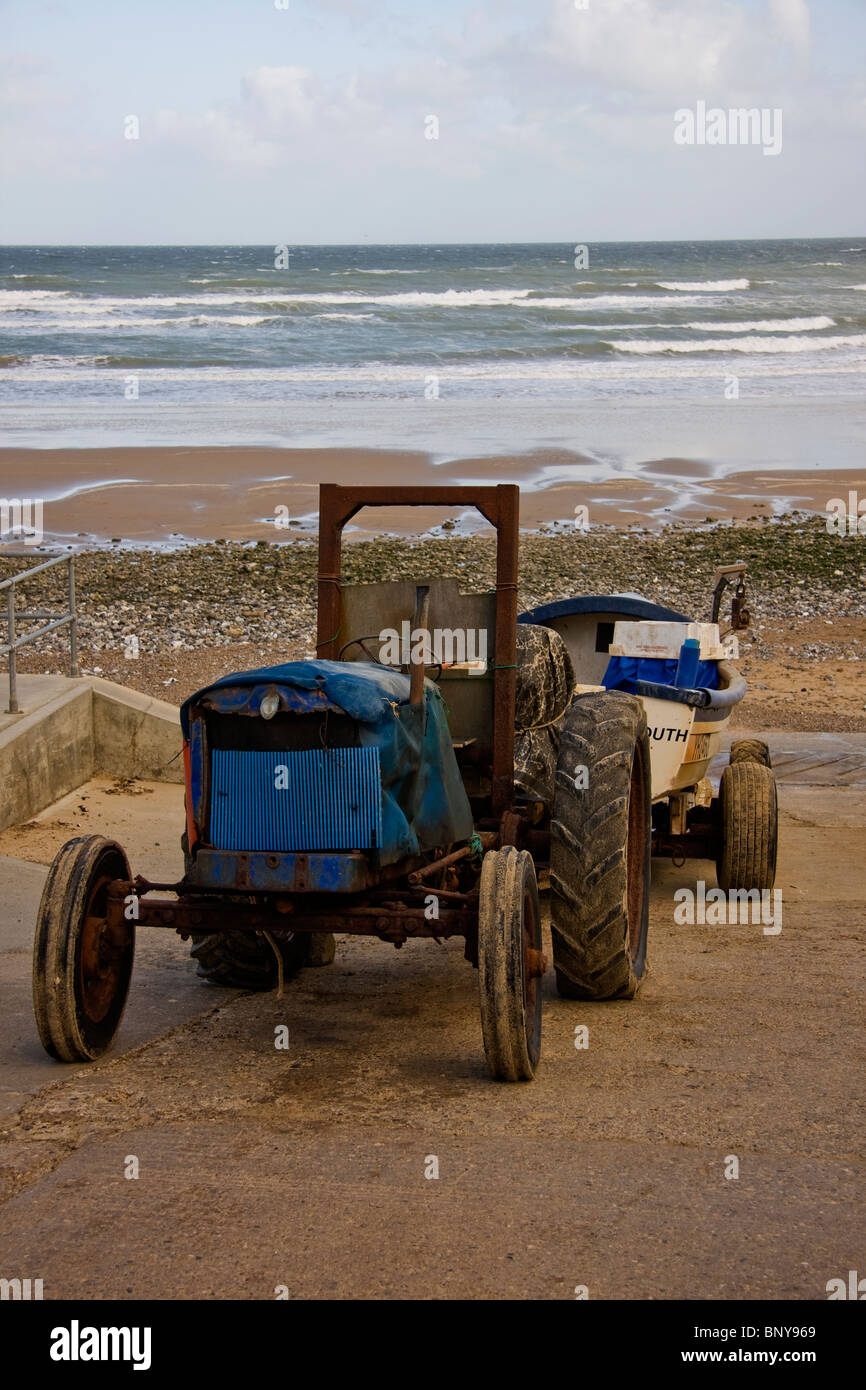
(10, 646)
(10, 619)
(73, 626)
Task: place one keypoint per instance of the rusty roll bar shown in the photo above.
(499, 505)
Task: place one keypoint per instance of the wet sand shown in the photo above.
(167, 495)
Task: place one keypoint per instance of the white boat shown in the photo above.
(685, 724)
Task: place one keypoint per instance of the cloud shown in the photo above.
(793, 23)
(260, 128)
(648, 47)
(273, 96)
(286, 116)
(570, 85)
(36, 133)
(656, 50)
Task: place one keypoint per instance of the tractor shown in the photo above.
(432, 767)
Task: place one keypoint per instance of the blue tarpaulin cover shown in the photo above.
(424, 803)
(622, 671)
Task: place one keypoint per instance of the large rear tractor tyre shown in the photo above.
(510, 964)
(750, 750)
(81, 967)
(246, 960)
(601, 840)
(748, 827)
(322, 948)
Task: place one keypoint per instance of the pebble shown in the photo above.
(216, 593)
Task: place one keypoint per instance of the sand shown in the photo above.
(165, 495)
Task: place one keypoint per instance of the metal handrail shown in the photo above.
(69, 617)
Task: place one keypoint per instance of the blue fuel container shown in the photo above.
(687, 666)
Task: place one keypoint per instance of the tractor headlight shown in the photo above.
(270, 703)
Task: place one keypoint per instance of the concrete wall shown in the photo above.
(46, 754)
(90, 726)
(135, 735)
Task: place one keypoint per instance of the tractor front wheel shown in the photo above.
(510, 964)
(81, 966)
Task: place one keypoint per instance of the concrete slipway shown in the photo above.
(309, 1169)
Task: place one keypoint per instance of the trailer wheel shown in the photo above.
(245, 960)
(750, 750)
(81, 968)
(748, 827)
(601, 840)
(510, 964)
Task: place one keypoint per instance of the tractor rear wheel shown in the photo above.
(245, 959)
(600, 845)
(748, 827)
(510, 963)
(750, 750)
(81, 966)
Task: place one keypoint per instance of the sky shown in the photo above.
(308, 121)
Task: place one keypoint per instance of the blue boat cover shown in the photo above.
(623, 671)
(424, 802)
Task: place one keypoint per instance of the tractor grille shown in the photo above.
(312, 799)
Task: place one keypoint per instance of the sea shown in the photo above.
(626, 345)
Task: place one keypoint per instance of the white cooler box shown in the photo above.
(663, 641)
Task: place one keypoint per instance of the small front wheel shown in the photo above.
(510, 964)
(81, 965)
(748, 827)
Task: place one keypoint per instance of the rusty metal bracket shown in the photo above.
(488, 841)
(724, 575)
(393, 918)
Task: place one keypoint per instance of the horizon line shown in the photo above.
(255, 245)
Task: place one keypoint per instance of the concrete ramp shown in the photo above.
(807, 759)
(68, 729)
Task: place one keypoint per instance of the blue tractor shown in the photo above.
(419, 778)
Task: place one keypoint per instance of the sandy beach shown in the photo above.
(170, 495)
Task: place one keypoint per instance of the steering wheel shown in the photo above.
(374, 637)
(359, 642)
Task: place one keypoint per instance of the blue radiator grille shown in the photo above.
(325, 800)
